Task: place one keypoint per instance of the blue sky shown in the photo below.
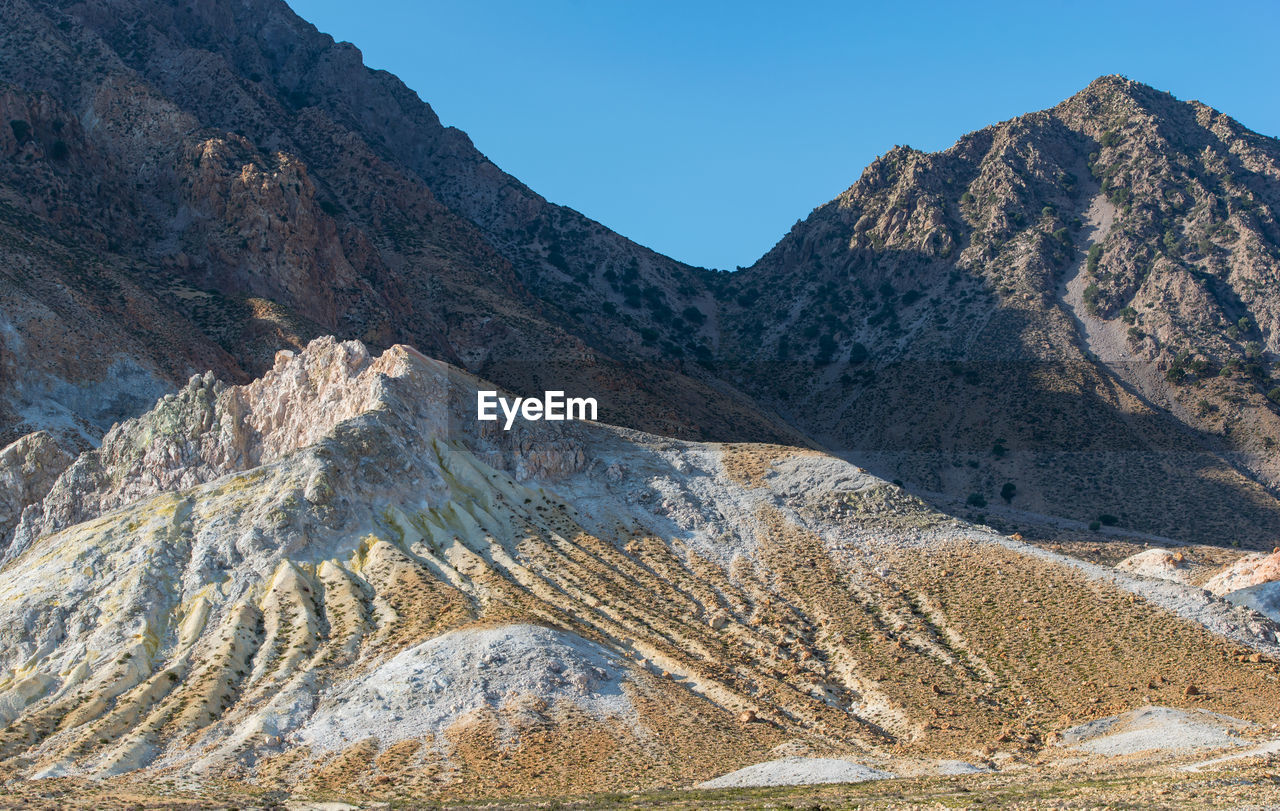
(704, 130)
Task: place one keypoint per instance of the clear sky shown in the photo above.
(704, 130)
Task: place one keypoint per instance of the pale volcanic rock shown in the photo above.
(1162, 564)
(1250, 570)
(28, 469)
(208, 429)
(797, 771)
(427, 688)
(1156, 728)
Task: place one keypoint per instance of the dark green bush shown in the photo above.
(1090, 296)
(1095, 256)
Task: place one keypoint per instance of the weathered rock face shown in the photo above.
(28, 470)
(335, 574)
(1078, 301)
(1162, 564)
(208, 430)
(1250, 570)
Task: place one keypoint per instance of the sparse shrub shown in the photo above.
(1274, 396)
(1108, 520)
(1008, 491)
(1129, 315)
(1095, 525)
(694, 316)
(1198, 366)
(966, 198)
(976, 500)
(1095, 256)
(21, 130)
(1090, 297)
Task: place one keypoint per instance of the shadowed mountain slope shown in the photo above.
(1080, 302)
(1077, 303)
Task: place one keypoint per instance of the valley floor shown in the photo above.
(1252, 785)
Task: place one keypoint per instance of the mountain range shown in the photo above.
(251, 532)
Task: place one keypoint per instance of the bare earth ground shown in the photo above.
(1254, 784)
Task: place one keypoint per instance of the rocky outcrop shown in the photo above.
(1250, 570)
(207, 430)
(1162, 564)
(28, 469)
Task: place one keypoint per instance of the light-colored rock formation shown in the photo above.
(797, 771)
(1250, 570)
(1263, 598)
(1157, 729)
(28, 469)
(1162, 564)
